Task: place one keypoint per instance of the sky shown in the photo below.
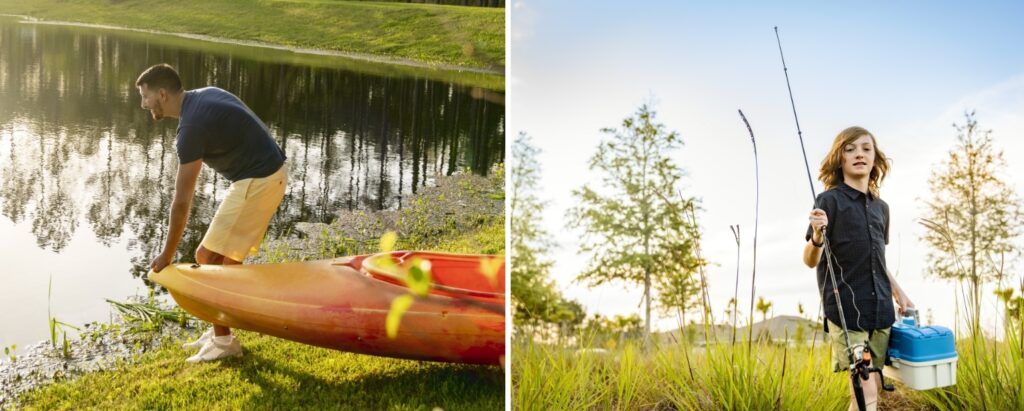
(906, 71)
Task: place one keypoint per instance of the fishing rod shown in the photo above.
(859, 356)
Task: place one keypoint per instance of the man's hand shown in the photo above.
(161, 261)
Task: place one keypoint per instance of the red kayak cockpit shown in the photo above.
(480, 277)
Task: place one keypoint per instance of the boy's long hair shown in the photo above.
(832, 166)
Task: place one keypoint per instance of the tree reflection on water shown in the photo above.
(76, 148)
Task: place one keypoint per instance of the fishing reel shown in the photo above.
(860, 370)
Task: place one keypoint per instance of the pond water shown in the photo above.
(86, 175)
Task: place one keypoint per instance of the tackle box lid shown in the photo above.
(908, 342)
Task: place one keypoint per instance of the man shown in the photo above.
(217, 129)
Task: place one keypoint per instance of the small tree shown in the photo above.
(635, 228)
(978, 210)
(763, 306)
(676, 294)
(619, 328)
(535, 300)
(730, 311)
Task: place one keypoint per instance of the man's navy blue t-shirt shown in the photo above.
(220, 129)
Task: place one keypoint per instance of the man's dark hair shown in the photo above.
(160, 76)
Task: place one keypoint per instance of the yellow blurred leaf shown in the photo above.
(399, 306)
(419, 279)
(610, 344)
(387, 263)
(489, 267)
(387, 241)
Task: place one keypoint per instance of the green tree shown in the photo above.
(978, 210)
(676, 291)
(634, 225)
(620, 327)
(535, 300)
(1012, 305)
(763, 306)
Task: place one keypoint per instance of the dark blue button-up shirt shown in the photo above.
(858, 230)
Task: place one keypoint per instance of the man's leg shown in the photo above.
(205, 256)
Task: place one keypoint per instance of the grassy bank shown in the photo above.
(279, 374)
(449, 35)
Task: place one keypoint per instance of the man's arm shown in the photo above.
(184, 191)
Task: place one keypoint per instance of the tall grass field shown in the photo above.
(764, 376)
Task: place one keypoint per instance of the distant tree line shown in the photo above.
(474, 3)
(471, 3)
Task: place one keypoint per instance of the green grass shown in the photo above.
(279, 374)
(488, 240)
(556, 376)
(990, 375)
(461, 36)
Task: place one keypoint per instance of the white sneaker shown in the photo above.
(216, 348)
(200, 342)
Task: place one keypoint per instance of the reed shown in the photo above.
(57, 327)
(757, 207)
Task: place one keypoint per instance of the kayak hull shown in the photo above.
(336, 304)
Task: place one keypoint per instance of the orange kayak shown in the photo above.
(343, 303)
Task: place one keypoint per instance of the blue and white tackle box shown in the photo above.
(922, 357)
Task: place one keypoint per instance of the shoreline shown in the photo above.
(371, 58)
(98, 346)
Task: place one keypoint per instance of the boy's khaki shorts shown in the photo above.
(878, 344)
(242, 218)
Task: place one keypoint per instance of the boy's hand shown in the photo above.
(902, 303)
(818, 220)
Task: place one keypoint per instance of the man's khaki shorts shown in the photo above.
(242, 218)
(878, 344)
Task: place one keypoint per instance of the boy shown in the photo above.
(858, 230)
